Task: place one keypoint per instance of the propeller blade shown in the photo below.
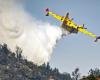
(67, 14)
(83, 25)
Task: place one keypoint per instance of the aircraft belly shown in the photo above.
(70, 29)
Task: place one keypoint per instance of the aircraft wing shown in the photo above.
(87, 32)
(90, 34)
(70, 23)
(58, 17)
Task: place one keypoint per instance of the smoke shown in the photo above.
(17, 28)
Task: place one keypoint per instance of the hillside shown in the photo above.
(13, 66)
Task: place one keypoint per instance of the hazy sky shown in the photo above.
(74, 50)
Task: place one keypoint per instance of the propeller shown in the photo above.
(83, 25)
(67, 15)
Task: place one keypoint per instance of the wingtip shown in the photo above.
(97, 38)
(47, 9)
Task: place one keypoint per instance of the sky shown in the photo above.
(76, 50)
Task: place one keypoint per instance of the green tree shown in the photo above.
(95, 72)
(76, 74)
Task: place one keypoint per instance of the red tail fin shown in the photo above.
(47, 10)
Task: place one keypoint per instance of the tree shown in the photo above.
(18, 53)
(95, 72)
(76, 74)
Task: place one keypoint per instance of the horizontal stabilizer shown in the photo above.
(97, 38)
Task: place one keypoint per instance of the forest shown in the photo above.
(13, 66)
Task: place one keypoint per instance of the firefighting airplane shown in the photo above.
(70, 26)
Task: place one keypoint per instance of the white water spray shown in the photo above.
(17, 28)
